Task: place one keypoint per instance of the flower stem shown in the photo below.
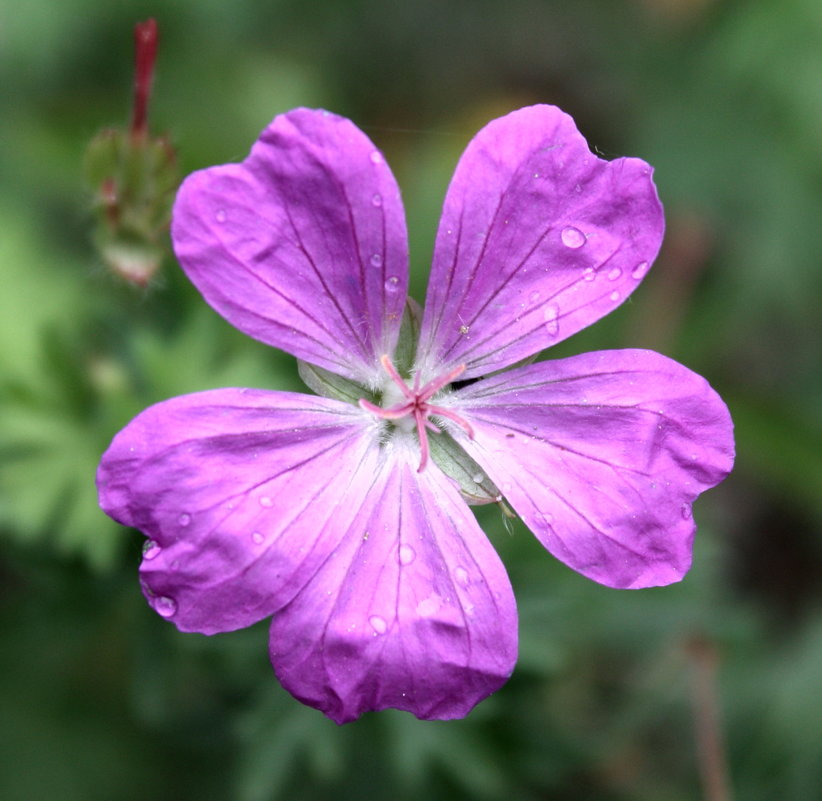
(713, 766)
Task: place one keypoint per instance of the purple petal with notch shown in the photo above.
(413, 610)
(538, 239)
(243, 495)
(303, 245)
(602, 455)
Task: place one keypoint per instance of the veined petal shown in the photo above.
(602, 455)
(243, 495)
(412, 611)
(538, 239)
(303, 245)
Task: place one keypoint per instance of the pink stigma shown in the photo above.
(418, 407)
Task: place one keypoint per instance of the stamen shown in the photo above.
(397, 378)
(417, 406)
(463, 424)
(423, 441)
(392, 413)
(434, 386)
(431, 427)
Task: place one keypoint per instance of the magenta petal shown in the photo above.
(412, 611)
(243, 495)
(303, 245)
(602, 455)
(538, 239)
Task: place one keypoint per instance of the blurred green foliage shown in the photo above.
(101, 699)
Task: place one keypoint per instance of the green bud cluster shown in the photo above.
(134, 177)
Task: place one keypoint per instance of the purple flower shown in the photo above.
(344, 515)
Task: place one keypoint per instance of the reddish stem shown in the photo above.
(145, 44)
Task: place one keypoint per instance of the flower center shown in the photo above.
(416, 407)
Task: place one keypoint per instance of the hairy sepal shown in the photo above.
(330, 385)
(474, 485)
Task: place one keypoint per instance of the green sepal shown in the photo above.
(331, 385)
(475, 486)
(409, 335)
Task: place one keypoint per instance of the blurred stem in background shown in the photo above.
(710, 741)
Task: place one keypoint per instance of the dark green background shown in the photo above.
(101, 699)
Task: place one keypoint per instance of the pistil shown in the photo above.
(417, 405)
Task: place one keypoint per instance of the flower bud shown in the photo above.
(134, 176)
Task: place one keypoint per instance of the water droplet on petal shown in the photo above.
(461, 576)
(589, 273)
(391, 283)
(407, 554)
(151, 549)
(428, 607)
(165, 606)
(184, 519)
(376, 260)
(572, 237)
(376, 200)
(639, 270)
(257, 538)
(220, 216)
(378, 624)
(478, 478)
(614, 274)
(551, 317)
(376, 157)
(614, 296)
(266, 501)
(685, 511)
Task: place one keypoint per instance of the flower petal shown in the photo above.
(538, 239)
(303, 245)
(243, 495)
(389, 593)
(412, 611)
(602, 455)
